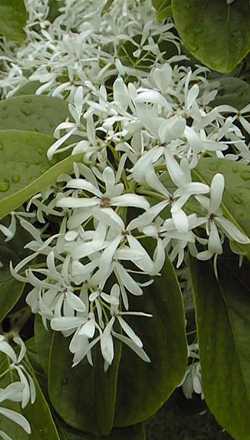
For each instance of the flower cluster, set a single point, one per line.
(140, 143)
(141, 121)
(85, 43)
(134, 185)
(22, 390)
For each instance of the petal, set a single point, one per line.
(54, 147)
(130, 332)
(120, 93)
(216, 192)
(180, 219)
(88, 329)
(83, 185)
(245, 124)
(17, 418)
(130, 200)
(232, 231)
(75, 302)
(107, 345)
(147, 217)
(214, 241)
(139, 351)
(125, 279)
(66, 323)
(75, 202)
(192, 95)
(175, 171)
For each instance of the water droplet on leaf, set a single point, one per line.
(4, 185)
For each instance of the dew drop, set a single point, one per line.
(16, 178)
(4, 185)
(40, 151)
(237, 199)
(26, 112)
(245, 175)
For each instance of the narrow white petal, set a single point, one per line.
(107, 345)
(192, 95)
(65, 323)
(128, 282)
(75, 202)
(139, 351)
(54, 147)
(17, 418)
(232, 231)
(5, 436)
(216, 192)
(83, 185)
(75, 302)
(88, 329)
(214, 241)
(130, 332)
(130, 200)
(180, 219)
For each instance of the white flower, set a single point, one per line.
(23, 391)
(216, 219)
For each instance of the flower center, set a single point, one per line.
(105, 202)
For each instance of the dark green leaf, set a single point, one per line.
(132, 433)
(54, 7)
(12, 19)
(232, 91)
(143, 387)
(223, 319)
(11, 289)
(42, 343)
(84, 396)
(217, 34)
(35, 113)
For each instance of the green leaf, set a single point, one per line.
(232, 91)
(23, 159)
(29, 88)
(54, 6)
(223, 319)
(13, 19)
(132, 433)
(42, 343)
(35, 113)
(163, 9)
(236, 198)
(38, 414)
(11, 289)
(143, 387)
(25, 169)
(164, 340)
(91, 407)
(217, 34)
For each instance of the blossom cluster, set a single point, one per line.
(22, 390)
(102, 233)
(84, 43)
(134, 185)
